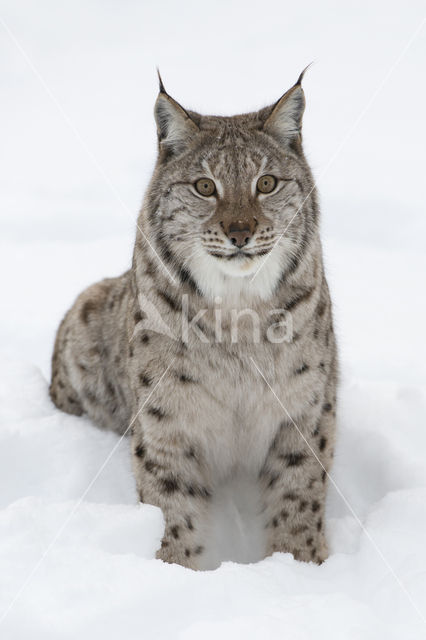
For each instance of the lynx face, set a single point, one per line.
(225, 191)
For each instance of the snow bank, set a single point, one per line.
(100, 577)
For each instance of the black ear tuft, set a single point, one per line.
(300, 78)
(160, 82)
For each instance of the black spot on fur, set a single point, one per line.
(138, 316)
(189, 524)
(322, 443)
(275, 522)
(309, 542)
(170, 301)
(319, 524)
(190, 453)
(302, 505)
(315, 506)
(175, 532)
(131, 352)
(140, 451)
(302, 296)
(198, 550)
(186, 278)
(150, 268)
(169, 485)
(149, 465)
(198, 491)
(321, 308)
(327, 407)
(90, 306)
(156, 412)
(301, 369)
(187, 553)
(284, 514)
(145, 380)
(311, 483)
(295, 459)
(290, 495)
(324, 475)
(144, 338)
(182, 377)
(166, 254)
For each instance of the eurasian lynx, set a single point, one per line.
(216, 349)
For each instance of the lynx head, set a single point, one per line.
(231, 202)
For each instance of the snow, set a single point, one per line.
(76, 550)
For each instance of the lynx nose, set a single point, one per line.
(239, 233)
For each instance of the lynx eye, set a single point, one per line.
(205, 187)
(266, 184)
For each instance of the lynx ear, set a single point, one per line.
(285, 120)
(175, 127)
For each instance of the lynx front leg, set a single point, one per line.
(170, 475)
(294, 485)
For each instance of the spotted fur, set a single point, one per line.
(200, 409)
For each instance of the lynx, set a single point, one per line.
(181, 350)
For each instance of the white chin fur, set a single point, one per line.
(239, 267)
(238, 279)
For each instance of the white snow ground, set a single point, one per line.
(72, 173)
